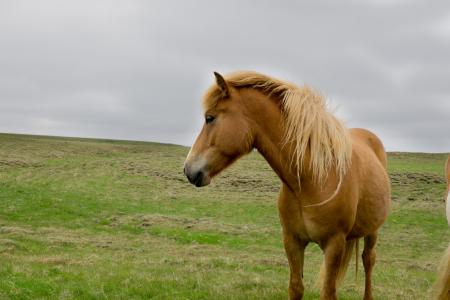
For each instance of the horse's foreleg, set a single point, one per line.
(295, 249)
(334, 250)
(368, 257)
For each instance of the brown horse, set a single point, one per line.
(442, 287)
(334, 185)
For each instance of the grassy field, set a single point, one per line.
(102, 219)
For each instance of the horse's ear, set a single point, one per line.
(222, 84)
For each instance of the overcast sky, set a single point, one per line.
(137, 69)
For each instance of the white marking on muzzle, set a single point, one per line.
(198, 164)
(189, 154)
(195, 162)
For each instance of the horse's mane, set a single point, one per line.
(308, 123)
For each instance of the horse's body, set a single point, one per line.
(335, 188)
(442, 288)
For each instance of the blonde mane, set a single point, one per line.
(308, 123)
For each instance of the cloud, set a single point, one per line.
(137, 69)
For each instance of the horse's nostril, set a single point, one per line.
(198, 179)
(184, 170)
(195, 178)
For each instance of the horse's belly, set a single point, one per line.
(372, 211)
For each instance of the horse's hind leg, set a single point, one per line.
(368, 257)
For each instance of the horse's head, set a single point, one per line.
(226, 134)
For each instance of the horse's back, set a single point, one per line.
(372, 141)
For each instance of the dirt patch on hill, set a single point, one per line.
(410, 178)
(19, 163)
(197, 224)
(247, 184)
(146, 170)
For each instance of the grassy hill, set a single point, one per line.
(102, 219)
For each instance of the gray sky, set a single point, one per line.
(137, 69)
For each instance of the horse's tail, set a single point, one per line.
(356, 261)
(346, 258)
(442, 286)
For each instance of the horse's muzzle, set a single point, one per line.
(196, 177)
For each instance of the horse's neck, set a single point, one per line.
(269, 134)
(278, 157)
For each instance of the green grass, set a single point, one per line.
(103, 219)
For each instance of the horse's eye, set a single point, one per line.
(209, 119)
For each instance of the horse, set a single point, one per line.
(442, 286)
(334, 184)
